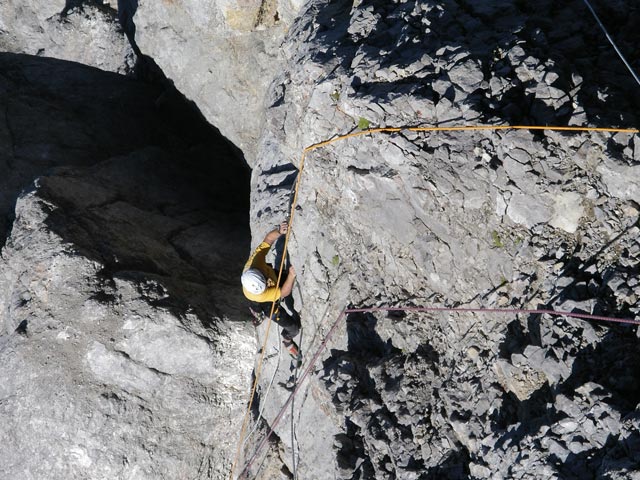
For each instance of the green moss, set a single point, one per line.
(363, 123)
(335, 260)
(497, 241)
(335, 95)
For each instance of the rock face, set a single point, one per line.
(121, 352)
(125, 347)
(88, 33)
(223, 55)
(516, 218)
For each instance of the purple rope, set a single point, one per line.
(347, 311)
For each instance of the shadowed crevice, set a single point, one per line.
(139, 181)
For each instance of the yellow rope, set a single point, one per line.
(467, 128)
(273, 308)
(295, 200)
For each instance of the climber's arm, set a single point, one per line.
(273, 235)
(287, 286)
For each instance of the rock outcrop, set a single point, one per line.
(122, 354)
(124, 223)
(222, 55)
(83, 32)
(518, 219)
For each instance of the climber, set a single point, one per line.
(259, 285)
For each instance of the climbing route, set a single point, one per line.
(294, 203)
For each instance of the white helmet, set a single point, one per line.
(253, 280)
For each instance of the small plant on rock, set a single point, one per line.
(363, 123)
(497, 241)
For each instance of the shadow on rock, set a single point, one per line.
(586, 404)
(529, 415)
(386, 396)
(608, 364)
(348, 378)
(137, 180)
(614, 456)
(518, 62)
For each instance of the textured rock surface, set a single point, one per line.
(223, 55)
(88, 33)
(121, 352)
(124, 230)
(517, 218)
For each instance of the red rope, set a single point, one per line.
(315, 357)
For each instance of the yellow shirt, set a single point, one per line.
(258, 261)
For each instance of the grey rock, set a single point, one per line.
(567, 211)
(614, 280)
(529, 211)
(578, 445)
(124, 363)
(557, 449)
(520, 380)
(468, 74)
(89, 34)
(620, 180)
(230, 54)
(127, 236)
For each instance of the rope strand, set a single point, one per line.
(291, 217)
(266, 336)
(345, 312)
(613, 44)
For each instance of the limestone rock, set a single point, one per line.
(127, 224)
(222, 55)
(567, 211)
(121, 337)
(620, 180)
(89, 34)
(521, 382)
(495, 219)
